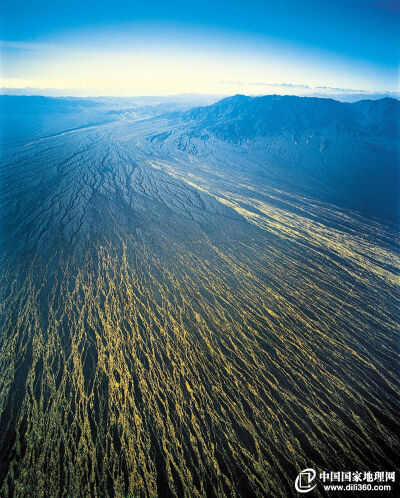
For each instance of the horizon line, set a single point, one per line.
(312, 92)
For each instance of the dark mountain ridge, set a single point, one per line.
(345, 153)
(241, 117)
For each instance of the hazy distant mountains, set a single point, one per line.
(36, 116)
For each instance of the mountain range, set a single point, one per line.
(344, 153)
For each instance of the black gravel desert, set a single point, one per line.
(197, 302)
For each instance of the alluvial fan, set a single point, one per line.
(169, 330)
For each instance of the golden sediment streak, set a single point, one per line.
(352, 247)
(217, 363)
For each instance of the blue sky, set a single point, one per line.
(253, 46)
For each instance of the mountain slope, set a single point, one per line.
(240, 117)
(348, 154)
